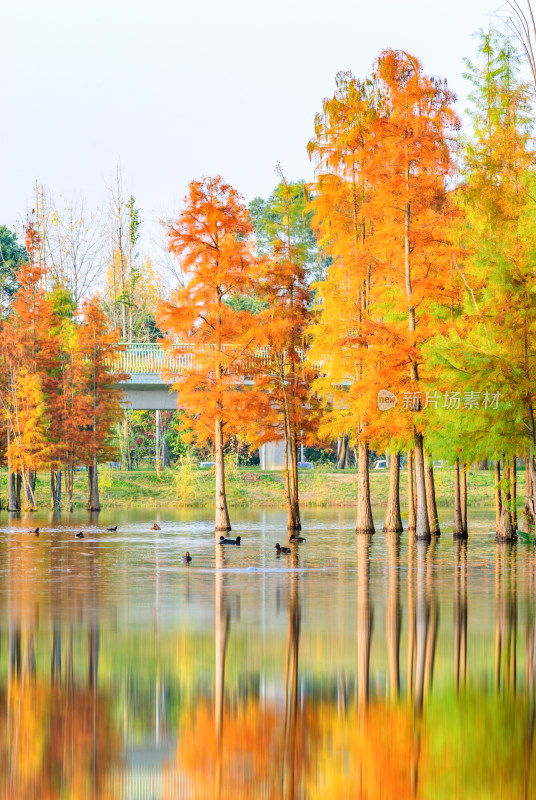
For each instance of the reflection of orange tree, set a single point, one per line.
(364, 755)
(54, 743)
(253, 750)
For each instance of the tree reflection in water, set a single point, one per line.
(268, 700)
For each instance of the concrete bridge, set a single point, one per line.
(146, 390)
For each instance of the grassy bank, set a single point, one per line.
(188, 486)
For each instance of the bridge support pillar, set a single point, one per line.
(272, 456)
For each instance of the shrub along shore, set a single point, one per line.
(191, 487)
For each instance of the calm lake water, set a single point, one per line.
(356, 667)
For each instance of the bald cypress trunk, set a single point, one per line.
(422, 526)
(463, 497)
(528, 511)
(18, 491)
(513, 489)
(342, 456)
(431, 498)
(457, 531)
(393, 519)
(69, 481)
(221, 523)
(364, 523)
(55, 489)
(93, 500)
(11, 482)
(498, 495)
(411, 494)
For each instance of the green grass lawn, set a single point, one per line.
(188, 486)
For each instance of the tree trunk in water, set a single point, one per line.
(532, 467)
(55, 489)
(463, 497)
(507, 501)
(498, 497)
(294, 478)
(513, 485)
(457, 530)
(18, 491)
(11, 492)
(506, 530)
(222, 522)
(431, 504)
(288, 489)
(69, 481)
(11, 483)
(411, 493)
(364, 523)
(393, 520)
(343, 452)
(528, 511)
(422, 526)
(93, 503)
(28, 481)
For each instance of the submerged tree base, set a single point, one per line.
(424, 537)
(365, 531)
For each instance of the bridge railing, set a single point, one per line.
(135, 358)
(151, 359)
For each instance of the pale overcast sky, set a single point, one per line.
(174, 90)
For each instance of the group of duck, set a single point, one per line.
(79, 535)
(225, 540)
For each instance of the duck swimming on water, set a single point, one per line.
(187, 558)
(224, 540)
(79, 535)
(35, 531)
(294, 538)
(112, 530)
(280, 549)
(156, 527)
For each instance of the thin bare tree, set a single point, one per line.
(519, 20)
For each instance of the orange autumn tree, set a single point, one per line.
(212, 239)
(93, 416)
(283, 376)
(27, 359)
(341, 198)
(383, 211)
(411, 164)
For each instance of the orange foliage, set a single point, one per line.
(57, 742)
(252, 752)
(212, 237)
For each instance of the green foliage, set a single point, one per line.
(12, 255)
(272, 224)
(185, 481)
(63, 303)
(490, 344)
(134, 220)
